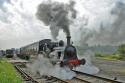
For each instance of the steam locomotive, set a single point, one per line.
(57, 52)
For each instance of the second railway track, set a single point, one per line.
(88, 78)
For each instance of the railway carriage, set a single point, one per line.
(9, 53)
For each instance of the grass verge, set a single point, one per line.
(8, 73)
(109, 57)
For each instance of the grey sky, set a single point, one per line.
(19, 25)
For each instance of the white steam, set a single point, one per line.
(44, 67)
(88, 67)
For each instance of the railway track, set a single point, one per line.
(88, 78)
(80, 78)
(29, 79)
(25, 76)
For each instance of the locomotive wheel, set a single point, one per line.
(82, 61)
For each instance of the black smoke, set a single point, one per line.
(57, 16)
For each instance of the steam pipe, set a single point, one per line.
(68, 40)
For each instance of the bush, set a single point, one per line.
(109, 57)
(118, 55)
(98, 55)
(121, 50)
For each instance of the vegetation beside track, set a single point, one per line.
(8, 73)
(109, 56)
(118, 55)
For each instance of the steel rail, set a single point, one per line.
(98, 77)
(29, 78)
(25, 75)
(60, 79)
(82, 80)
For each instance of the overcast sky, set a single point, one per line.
(19, 25)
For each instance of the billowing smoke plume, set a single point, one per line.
(57, 16)
(111, 31)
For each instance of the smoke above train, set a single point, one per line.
(57, 16)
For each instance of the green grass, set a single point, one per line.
(8, 73)
(112, 57)
(109, 57)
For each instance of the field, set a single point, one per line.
(8, 74)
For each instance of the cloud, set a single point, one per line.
(19, 25)
(108, 27)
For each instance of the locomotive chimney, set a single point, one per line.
(68, 40)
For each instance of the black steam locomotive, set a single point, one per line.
(70, 56)
(65, 55)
